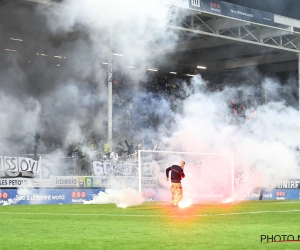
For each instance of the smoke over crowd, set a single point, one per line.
(68, 103)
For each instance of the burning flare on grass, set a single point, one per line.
(228, 200)
(185, 203)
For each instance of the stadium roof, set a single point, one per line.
(218, 42)
(224, 43)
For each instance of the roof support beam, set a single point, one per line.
(230, 38)
(205, 42)
(225, 23)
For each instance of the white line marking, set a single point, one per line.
(154, 215)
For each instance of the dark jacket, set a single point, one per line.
(177, 173)
(130, 148)
(120, 150)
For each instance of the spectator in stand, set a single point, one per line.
(92, 146)
(106, 147)
(130, 148)
(74, 151)
(83, 150)
(114, 156)
(157, 146)
(139, 146)
(234, 106)
(120, 149)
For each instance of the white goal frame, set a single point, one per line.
(188, 153)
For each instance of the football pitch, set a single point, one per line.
(153, 225)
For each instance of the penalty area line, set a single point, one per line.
(154, 215)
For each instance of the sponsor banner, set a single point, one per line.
(96, 182)
(240, 12)
(267, 18)
(92, 182)
(212, 6)
(247, 14)
(88, 182)
(108, 181)
(18, 164)
(289, 184)
(24, 182)
(47, 196)
(65, 181)
(275, 194)
(79, 195)
(103, 181)
(17, 182)
(266, 195)
(195, 4)
(81, 181)
(78, 181)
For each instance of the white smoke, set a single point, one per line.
(264, 145)
(121, 197)
(132, 28)
(67, 99)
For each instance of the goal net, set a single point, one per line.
(208, 176)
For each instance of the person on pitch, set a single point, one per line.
(176, 175)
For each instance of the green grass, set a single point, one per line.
(150, 226)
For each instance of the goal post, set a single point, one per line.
(209, 176)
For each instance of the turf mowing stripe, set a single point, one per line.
(154, 215)
(286, 202)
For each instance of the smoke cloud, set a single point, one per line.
(68, 102)
(122, 198)
(263, 141)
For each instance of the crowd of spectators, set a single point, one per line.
(139, 109)
(144, 106)
(136, 112)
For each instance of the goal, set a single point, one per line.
(209, 176)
